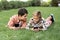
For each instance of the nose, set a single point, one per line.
(26, 17)
(34, 19)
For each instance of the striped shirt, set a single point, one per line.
(15, 20)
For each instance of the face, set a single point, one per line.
(24, 17)
(35, 18)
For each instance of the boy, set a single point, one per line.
(18, 21)
(37, 23)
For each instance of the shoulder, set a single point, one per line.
(43, 18)
(14, 17)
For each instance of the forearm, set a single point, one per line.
(14, 28)
(28, 25)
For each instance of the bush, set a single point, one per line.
(6, 5)
(13, 4)
(36, 3)
(44, 4)
(18, 4)
(54, 3)
(0, 6)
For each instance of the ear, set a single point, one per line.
(19, 16)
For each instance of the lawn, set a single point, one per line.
(53, 32)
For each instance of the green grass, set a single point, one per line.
(53, 32)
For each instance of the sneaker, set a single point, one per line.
(53, 19)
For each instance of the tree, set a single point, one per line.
(36, 2)
(1, 7)
(54, 3)
(5, 4)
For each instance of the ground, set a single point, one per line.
(53, 32)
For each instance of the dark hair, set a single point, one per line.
(22, 11)
(38, 13)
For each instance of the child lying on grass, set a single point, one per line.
(37, 23)
(18, 21)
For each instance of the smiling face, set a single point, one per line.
(36, 16)
(24, 17)
(22, 14)
(36, 19)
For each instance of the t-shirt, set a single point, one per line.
(14, 21)
(39, 24)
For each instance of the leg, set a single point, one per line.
(49, 20)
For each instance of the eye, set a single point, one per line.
(24, 16)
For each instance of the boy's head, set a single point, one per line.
(22, 14)
(36, 16)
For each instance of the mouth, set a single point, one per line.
(36, 21)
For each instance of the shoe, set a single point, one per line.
(53, 19)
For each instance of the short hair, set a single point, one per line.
(22, 11)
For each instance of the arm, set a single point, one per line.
(11, 23)
(29, 24)
(24, 25)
